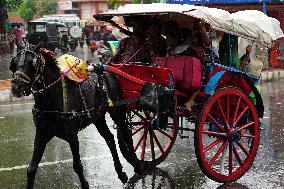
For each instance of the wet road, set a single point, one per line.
(4, 68)
(179, 170)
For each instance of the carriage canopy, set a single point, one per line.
(252, 25)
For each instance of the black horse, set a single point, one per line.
(64, 107)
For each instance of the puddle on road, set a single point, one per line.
(180, 170)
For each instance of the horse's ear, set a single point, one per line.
(46, 51)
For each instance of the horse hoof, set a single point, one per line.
(139, 169)
(123, 177)
(85, 185)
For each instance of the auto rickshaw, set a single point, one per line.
(47, 33)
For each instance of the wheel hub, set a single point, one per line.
(234, 135)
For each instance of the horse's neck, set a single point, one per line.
(51, 97)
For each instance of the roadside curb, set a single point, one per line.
(6, 95)
(272, 75)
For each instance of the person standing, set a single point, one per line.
(19, 37)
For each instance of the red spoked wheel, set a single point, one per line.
(227, 136)
(152, 142)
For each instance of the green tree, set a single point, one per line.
(3, 15)
(47, 7)
(27, 10)
(149, 1)
(13, 4)
(114, 4)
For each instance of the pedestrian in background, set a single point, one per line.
(19, 37)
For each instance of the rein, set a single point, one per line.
(53, 83)
(67, 115)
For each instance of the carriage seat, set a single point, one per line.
(186, 69)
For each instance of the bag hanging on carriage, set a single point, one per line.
(157, 98)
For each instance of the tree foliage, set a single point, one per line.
(114, 4)
(27, 10)
(47, 7)
(148, 1)
(13, 4)
(3, 15)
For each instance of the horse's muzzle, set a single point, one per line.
(20, 88)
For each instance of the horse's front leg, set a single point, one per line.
(77, 164)
(39, 146)
(109, 138)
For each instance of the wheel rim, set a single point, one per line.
(151, 144)
(228, 135)
(156, 178)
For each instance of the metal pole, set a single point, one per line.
(264, 7)
(230, 51)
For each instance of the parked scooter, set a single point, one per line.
(104, 54)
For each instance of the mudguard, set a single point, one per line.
(222, 76)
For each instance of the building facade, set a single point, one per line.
(85, 9)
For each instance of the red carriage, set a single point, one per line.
(227, 122)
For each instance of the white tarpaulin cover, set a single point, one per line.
(235, 24)
(268, 24)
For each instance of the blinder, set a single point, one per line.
(23, 58)
(19, 75)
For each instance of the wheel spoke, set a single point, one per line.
(137, 130)
(214, 133)
(228, 109)
(245, 126)
(147, 114)
(237, 156)
(243, 148)
(237, 108)
(139, 142)
(215, 122)
(210, 146)
(137, 123)
(247, 136)
(241, 114)
(139, 115)
(152, 144)
(158, 143)
(166, 134)
(218, 153)
(230, 158)
(222, 112)
(142, 155)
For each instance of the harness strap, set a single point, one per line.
(22, 74)
(64, 96)
(126, 101)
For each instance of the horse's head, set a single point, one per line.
(25, 67)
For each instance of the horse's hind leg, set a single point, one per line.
(109, 138)
(77, 164)
(125, 141)
(39, 147)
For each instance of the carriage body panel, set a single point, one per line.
(130, 89)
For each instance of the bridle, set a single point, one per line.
(39, 64)
(19, 75)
